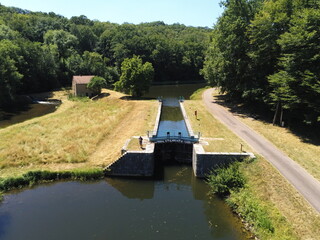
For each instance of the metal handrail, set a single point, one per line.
(152, 135)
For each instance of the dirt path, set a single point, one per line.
(307, 185)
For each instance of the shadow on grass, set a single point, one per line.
(130, 98)
(307, 133)
(100, 96)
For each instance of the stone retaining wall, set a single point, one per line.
(203, 162)
(134, 164)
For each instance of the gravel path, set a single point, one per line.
(307, 185)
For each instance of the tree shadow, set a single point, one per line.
(100, 96)
(307, 133)
(131, 98)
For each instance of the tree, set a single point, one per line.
(96, 84)
(65, 41)
(9, 74)
(297, 84)
(227, 63)
(264, 31)
(135, 76)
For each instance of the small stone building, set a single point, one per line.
(79, 86)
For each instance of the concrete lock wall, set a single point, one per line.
(133, 164)
(203, 162)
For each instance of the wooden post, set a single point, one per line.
(241, 147)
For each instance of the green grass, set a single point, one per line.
(71, 97)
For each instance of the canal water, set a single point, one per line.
(171, 121)
(177, 206)
(24, 113)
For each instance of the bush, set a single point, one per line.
(34, 177)
(225, 179)
(12, 183)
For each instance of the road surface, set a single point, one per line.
(306, 184)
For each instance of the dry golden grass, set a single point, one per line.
(134, 145)
(77, 135)
(299, 220)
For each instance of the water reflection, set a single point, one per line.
(24, 113)
(176, 207)
(185, 90)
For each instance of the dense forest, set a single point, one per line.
(42, 51)
(268, 53)
(265, 52)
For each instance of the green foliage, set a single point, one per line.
(229, 181)
(96, 84)
(267, 52)
(226, 179)
(226, 64)
(64, 40)
(252, 210)
(135, 77)
(87, 175)
(297, 84)
(35, 177)
(49, 49)
(9, 74)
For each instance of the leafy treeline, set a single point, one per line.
(268, 51)
(40, 51)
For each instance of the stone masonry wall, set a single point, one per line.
(133, 164)
(203, 162)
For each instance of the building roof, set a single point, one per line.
(82, 79)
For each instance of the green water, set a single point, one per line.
(27, 112)
(176, 206)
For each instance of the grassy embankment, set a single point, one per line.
(79, 138)
(267, 198)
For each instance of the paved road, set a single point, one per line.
(307, 185)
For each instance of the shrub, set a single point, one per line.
(11, 183)
(225, 179)
(34, 177)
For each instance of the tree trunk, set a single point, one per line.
(275, 114)
(281, 116)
